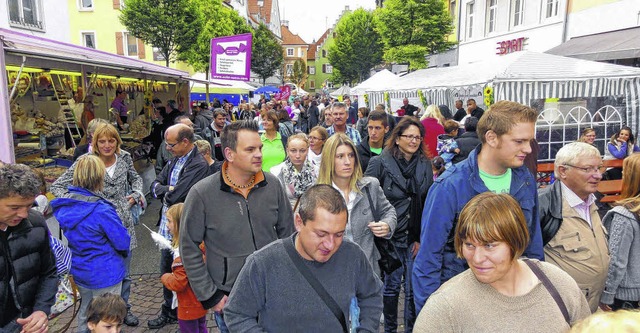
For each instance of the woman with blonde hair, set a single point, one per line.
(432, 121)
(340, 167)
(317, 137)
(296, 173)
(622, 288)
(588, 135)
(122, 187)
(99, 243)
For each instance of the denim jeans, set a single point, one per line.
(11, 327)
(166, 259)
(222, 326)
(392, 283)
(87, 295)
(126, 283)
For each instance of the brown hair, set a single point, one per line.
(502, 116)
(108, 307)
(489, 217)
(402, 126)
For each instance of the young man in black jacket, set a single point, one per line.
(28, 275)
(373, 143)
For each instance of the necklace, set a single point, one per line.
(226, 174)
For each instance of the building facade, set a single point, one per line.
(295, 50)
(44, 18)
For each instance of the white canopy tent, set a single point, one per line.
(344, 90)
(521, 77)
(383, 79)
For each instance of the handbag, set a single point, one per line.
(315, 284)
(389, 258)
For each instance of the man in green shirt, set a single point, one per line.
(372, 145)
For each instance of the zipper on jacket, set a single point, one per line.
(253, 236)
(226, 269)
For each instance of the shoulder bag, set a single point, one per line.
(315, 284)
(389, 258)
(550, 288)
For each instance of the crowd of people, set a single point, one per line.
(314, 214)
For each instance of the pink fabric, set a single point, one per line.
(432, 129)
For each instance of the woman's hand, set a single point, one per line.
(379, 229)
(414, 249)
(132, 201)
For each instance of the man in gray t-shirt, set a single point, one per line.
(271, 294)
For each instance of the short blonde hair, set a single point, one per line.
(298, 136)
(609, 321)
(203, 146)
(489, 217)
(328, 161)
(89, 172)
(106, 130)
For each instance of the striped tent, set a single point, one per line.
(521, 77)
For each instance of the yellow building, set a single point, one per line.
(96, 24)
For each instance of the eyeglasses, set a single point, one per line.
(171, 145)
(313, 138)
(589, 170)
(411, 137)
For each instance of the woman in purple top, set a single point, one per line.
(120, 107)
(621, 145)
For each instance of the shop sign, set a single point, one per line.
(231, 57)
(511, 45)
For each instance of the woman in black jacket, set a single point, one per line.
(405, 174)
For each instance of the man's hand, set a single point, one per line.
(414, 249)
(218, 307)
(37, 322)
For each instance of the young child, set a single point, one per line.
(106, 314)
(191, 315)
(447, 145)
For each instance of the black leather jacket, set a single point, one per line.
(386, 169)
(26, 256)
(550, 210)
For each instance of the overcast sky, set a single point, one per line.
(311, 18)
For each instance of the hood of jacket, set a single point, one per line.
(207, 114)
(80, 203)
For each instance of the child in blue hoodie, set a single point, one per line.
(98, 241)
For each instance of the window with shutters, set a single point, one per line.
(89, 39)
(26, 14)
(290, 52)
(312, 84)
(85, 5)
(311, 70)
(130, 45)
(329, 69)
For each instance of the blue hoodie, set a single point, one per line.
(98, 241)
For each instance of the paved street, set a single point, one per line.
(146, 288)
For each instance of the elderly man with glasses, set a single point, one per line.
(171, 186)
(572, 233)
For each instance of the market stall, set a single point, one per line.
(45, 81)
(570, 94)
(232, 91)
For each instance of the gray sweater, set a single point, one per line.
(271, 295)
(623, 278)
(232, 228)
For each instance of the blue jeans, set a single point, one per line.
(392, 283)
(126, 283)
(222, 326)
(166, 259)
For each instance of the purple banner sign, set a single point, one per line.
(231, 57)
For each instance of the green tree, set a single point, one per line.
(267, 55)
(218, 20)
(357, 47)
(412, 29)
(170, 25)
(299, 75)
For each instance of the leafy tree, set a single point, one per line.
(267, 55)
(218, 20)
(411, 29)
(170, 25)
(299, 75)
(357, 47)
